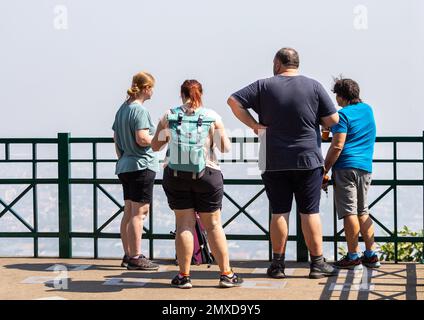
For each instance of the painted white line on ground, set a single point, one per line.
(350, 272)
(364, 275)
(355, 272)
(43, 280)
(351, 287)
(264, 284)
(52, 298)
(126, 282)
(360, 280)
(358, 270)
(288, 271)
(70, 267)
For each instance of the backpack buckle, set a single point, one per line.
(199, 126)
(179, 122)
(200, 121)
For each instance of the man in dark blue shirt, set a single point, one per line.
(290, 108)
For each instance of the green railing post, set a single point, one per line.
(63, 149)
(395, 211)
(301, 248)
(95, 203)
(35, 198)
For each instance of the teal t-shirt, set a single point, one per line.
(129, 119)
(357, 121)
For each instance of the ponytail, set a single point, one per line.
(193, 90)
(133, 91)
(140, 81)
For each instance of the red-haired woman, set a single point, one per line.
(195, 185)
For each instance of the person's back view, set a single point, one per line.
(130, 118)
(193, 181)
(136, 167)
(290, 108)
(350, 159)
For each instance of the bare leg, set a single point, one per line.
(312, 231)
(184, 239)
(351, 226)
(367, 231)
(139, 212)
(216, 238)
(279, 230)
(124, 227)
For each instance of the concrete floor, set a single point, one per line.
(29, 278)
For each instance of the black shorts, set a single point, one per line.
(138, 185)
(304, 184)
(203, 195)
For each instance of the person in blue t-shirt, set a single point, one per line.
(350, 157)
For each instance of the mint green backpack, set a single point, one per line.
(188, 135)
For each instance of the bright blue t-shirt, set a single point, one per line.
(357, 121)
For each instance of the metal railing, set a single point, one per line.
(64, 181)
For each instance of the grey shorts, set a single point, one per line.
(350, 191)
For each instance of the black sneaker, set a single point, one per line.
(230, 282)
(182, 283)
(276, 270)
(371, 262)
(142, 263)
(322, 269)
(125, 261)
(346, 263)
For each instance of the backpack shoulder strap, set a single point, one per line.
(176, 114)
(176, 110)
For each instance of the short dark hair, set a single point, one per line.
(288, 57)
(347, 89)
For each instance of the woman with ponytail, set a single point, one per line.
(195, 186)
(136, 167)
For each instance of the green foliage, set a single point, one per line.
(407, 252)
(342, 251)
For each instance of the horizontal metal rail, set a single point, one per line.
(64, 181)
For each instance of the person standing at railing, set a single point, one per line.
(290, 108)
(193, 181)
(136, 167)
(350, 157)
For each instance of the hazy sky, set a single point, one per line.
(65, 65)
(74, 79)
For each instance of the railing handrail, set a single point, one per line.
(233, 139)
(64, 180)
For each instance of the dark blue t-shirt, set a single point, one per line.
(357, 121)
(291, 108)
